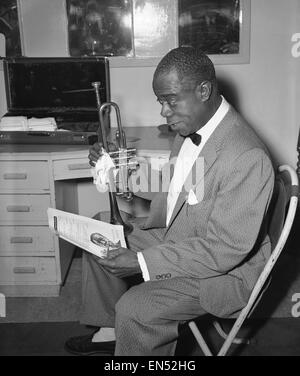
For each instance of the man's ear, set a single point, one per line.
(204, 90)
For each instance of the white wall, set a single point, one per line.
(266, 90)
(295, 77)
(3, 106)
(2, 88)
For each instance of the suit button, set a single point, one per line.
(163, 276)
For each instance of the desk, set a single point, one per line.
(34, 262)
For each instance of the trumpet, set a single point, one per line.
(123, 158)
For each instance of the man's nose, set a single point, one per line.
(165, 110)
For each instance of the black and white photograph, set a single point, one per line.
(213, 26)
(149, 181)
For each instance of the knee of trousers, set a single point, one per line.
(135, 305)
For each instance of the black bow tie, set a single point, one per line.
(196, 138)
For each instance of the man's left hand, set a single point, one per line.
(121, 262)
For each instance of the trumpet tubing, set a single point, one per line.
(123, 159)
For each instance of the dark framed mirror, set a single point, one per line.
(100, 27)
(221, 28)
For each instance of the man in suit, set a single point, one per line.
(202, 248)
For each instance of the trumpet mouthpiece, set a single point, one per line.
(96, 84)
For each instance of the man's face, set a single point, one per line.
(181, 103)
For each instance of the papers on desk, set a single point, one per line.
(21, 123)
(94, 236)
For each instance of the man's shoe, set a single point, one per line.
(83, 345)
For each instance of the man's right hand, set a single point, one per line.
(96, 152)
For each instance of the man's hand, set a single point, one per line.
(121, 262)
(96, 152)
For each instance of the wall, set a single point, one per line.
(267, 87)
(265, 90)
(2, 89)
(3, 106)
(296, 75)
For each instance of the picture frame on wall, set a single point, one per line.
(221, 28)
(99, 27)
(130, 29)
(131, 32)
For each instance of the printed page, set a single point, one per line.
(94, 236)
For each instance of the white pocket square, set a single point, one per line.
(192, 199)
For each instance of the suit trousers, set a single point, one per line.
(145, 315)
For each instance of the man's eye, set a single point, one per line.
(172, 101)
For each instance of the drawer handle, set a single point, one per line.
(15, 176)
(79, 166)
(18, 208)
(24, 270)
(21, 239)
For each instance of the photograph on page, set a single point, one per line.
(94, 236)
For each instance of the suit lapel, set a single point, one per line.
(209, 156)
(209, 153)
(157, 215)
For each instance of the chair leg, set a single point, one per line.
(200, 339)
(237, 340)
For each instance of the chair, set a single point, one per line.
(280, 217)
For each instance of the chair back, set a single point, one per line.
(278, 223)
(283, 209)
(276, 218)
(277, 209)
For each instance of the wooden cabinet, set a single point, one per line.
(27, 270)
(33, 261)
(72, 168)
(18, 176)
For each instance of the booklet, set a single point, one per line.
(94, 236)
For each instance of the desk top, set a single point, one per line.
(142, 138)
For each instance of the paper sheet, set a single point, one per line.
(94, 236)
(21, 123)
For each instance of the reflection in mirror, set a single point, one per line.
(99, 27)
(213, 26)
(9, 27)
(154, 27)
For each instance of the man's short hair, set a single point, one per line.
(190, 63)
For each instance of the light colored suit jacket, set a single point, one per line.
(219, 239)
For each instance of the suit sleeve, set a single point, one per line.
(233, 227)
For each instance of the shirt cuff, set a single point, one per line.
(143, 266)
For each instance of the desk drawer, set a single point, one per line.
(24, 175)
(27, 269)
(24, 207)
(19, 240)
(71, 169)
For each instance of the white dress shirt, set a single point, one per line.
(186, 158)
